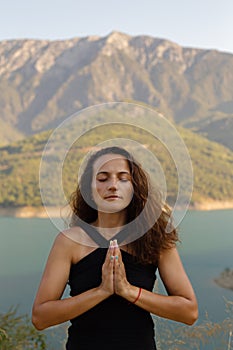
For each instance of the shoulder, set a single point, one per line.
(68, 238)
(168, 256)
(77, 235)
(62, 247)
(73, 244)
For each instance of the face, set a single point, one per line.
(112, 188)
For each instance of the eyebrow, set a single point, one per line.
(119, 172)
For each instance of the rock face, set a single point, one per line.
(42, 82)
(225, 280)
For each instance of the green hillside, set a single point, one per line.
(19, 165)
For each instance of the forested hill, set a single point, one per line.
(19, 165)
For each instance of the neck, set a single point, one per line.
(110, 223)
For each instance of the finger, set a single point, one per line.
(118, 256)
(110, 253)
(118, 265)
(110, 250)
(109, 256)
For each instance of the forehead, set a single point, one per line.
(109, 162)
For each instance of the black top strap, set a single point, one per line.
(96, 236)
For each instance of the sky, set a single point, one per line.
(204, 24)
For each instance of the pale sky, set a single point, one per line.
(192, 23)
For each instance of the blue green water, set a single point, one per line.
(206, 250)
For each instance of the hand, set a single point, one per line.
(107, 283)
(121, 284)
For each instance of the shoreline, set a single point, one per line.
(30, 212)
(40, 212)
(212, 205)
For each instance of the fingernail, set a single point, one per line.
(116, 257)
(111, 244)
(115, 244)
(111, 257)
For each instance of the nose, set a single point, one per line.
(112, 185)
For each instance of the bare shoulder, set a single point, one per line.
(67, 241)
(169, 254)
(75, 242)
(62, 241)
(78, 235)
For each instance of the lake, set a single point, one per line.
(206, 250)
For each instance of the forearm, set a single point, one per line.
(176, 308)
(54, 312)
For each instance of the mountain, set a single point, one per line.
(42, 82)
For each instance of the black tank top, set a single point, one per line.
(114, 323)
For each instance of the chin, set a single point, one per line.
(112, 209)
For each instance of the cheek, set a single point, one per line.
(130, 191)
(96, 188)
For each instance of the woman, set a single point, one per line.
(111, 286)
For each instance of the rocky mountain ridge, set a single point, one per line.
(42, 82)
(43, 54)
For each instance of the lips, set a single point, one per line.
(112, 197)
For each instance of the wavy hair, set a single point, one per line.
(147, 247)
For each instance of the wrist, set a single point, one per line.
(103, 293)
(131, 293)
(138, 296)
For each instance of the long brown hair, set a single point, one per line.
(147, 248)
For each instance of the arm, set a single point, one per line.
(48, 308)
(180, 304)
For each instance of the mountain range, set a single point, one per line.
(42, 82)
